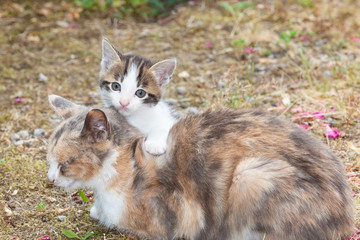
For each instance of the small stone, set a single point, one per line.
(72, 56)
(184, 74)
(19, 143)
(171, 101)
(61, 218)
(327, 73)
(39, 132)
(181, 90)
(15, 137)
(351, 57)
(319, 43)
(42, 78)
(23, 134)
(192, 110)
(330, 120)
(220, 85)
(306, 44)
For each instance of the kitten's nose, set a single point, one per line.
(124, 103)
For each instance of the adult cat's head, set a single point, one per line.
(131, 82)
(82, 147)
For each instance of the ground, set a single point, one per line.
(296, 59)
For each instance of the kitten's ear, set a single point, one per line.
(63, 107)
(96, 127)
(109, 55)
(164, 70)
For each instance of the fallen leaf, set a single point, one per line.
(44, 11)
(184, 74)
(353, 147)
(8, 211)
(32, 38)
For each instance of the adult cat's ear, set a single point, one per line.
(109, 55)
(63, 107)
(96, 127)
(164, 70)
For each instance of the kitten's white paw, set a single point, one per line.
(94, 213)
(155, 147)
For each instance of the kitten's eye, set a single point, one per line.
(116, 86)
(140, 93)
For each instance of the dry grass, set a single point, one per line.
(234, 59)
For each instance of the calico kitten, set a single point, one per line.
(225, 175)
(133, 85)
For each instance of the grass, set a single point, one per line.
(316, 69)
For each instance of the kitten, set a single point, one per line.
(225, 175)
(133, 85)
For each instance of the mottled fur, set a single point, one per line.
(226, 175)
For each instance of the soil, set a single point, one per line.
(286, 57)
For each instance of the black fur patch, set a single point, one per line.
(105, 85)
(151, 99)
(167, 216)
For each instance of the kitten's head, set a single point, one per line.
(80, 144)
(130, 82)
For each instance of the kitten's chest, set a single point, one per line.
(150, 119)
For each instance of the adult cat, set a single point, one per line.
(226, 175)
(133, 85)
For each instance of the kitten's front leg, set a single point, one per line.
(155, 143)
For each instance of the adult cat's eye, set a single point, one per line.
(116, 86)
(140, 93)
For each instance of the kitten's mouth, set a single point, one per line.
(123, 110)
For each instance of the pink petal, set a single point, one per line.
(18, 100)
(297, 109)
(304, 126)
(295, 39)
(249, 50)
(88, 195)
(331, 132)
(208, 45)
(14, 237)
(45, 237)
(319, 115)
(304, 39)
(355, 39)
(73, 25)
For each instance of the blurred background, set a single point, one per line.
(298, 59)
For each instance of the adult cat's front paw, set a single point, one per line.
(155, 147)
(94, 213)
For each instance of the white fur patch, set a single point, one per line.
(155, 123)
(110, 205)
(53, 172)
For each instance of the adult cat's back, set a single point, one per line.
(267, 168)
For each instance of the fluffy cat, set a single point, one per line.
(226, 175)
(133, 85)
